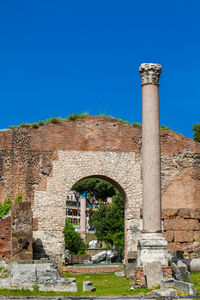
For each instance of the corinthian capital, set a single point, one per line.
(150, 73)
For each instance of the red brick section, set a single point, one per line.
(78, 259)
(5, 237)
(91, 269)
(182, 230)
(140, 279)
(22, 231)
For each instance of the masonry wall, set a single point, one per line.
(42, 164)
(5, 237)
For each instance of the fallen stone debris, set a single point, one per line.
(88, 286)
(43, 275)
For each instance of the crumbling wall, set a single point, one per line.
(22, 231)
(27, 157)
(5, 237)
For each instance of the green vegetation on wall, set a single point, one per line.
(72, 117)
(5, 208)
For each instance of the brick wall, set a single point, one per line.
(27, 157)
(5, 237)
(182, 230)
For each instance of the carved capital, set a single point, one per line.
(150, 73)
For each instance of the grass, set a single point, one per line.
(196, 280)
(106, 285)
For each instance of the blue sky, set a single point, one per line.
(61, 57)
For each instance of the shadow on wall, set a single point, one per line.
(38, 249)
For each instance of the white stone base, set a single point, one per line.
(152, 247)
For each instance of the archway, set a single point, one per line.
(122, 169)
(95, 211)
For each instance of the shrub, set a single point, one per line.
(24, 125)
(5, 208)
(40, 123)
(34, 125)
(196, 135)
(163, 127)
(76, 116)
(136, 124)
(73, 240)
(18, 198)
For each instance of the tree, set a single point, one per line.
(196, 135)
(73, 240)
(108, 221)
(94, 188)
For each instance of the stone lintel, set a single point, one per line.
(150, 73)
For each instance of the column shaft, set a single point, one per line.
(151, 159)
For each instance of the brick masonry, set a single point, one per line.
(91, 269)
(5, 237)
(16, 233)
(140, 278)
(43, 164)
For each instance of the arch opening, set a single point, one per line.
(95, 209)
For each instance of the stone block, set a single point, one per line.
(23, 275)
(184, 213)
(185, 287)
(153, 273)
(165, 292)
(88, 286)
(181, 224)
(195, 214)
(167, 283)
(195, 265)
(185, 275)
(169, 213)
(169, 235)
(184, 236)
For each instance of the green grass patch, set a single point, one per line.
(106, 285)
(196, 280)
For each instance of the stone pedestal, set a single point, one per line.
(152, 245)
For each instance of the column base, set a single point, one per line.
(152, 247)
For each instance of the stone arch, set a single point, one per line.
(120, 168)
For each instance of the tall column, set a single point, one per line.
(151, 173)
(83, 218)
(152, 245)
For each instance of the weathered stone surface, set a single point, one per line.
(152, 247)
(164, 293)
(181, 224)
(101, 256)
(88, 286)
(21, 242)
(185, 287)
(5, 237)
(93, 244)
(185, 275)
(195, 265)
(44, 275)
(43, 164)
(184, 236)
(167, 283)
(153, 273)
(176, 271)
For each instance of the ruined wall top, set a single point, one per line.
(150, 73)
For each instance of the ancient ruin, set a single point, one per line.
(44, 163)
